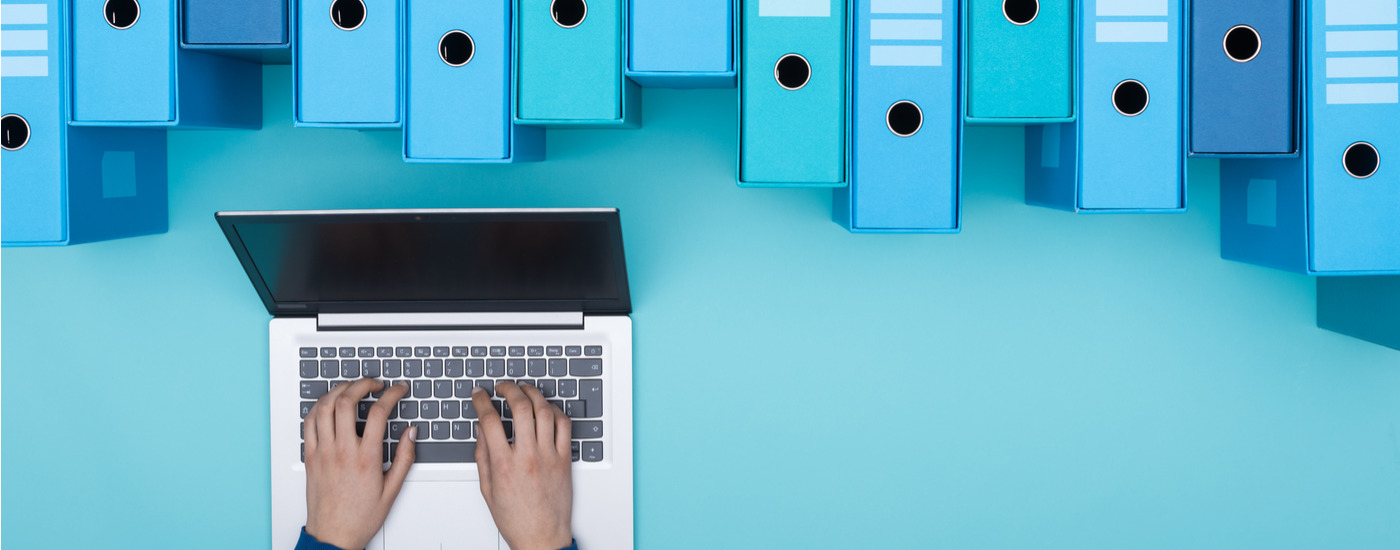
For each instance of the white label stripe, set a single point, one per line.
(1355, 94)
(1362, 12)
(1361, 41)
(24, 40)
(794, 8)
(1362, 67)
(906, 6)
(906, 29)
(1131, 8)
(906, 56)
(24, 65)
(1130, 32)
(24, 14)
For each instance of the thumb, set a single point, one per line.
(398, 470)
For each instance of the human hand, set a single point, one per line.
(348, 493)
(528, 484)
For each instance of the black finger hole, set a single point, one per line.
(1020, 12)
(1241, 43)
(14, 132)
(1361, 160)
(348, 15)
(121, 14)
(904, 118)
(456, 48)
(568, 13)
(1130, 98)
(792, 71)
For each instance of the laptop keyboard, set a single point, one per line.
(440, 381)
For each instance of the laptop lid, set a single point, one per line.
(415, 261)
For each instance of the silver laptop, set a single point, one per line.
(445, 300)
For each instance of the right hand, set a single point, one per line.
(528, 484)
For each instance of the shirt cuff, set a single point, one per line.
(573, 545)
(308, 542)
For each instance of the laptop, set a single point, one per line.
(445, 300)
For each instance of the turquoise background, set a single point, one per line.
(1042, 380)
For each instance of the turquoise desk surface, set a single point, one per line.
(1041, 381)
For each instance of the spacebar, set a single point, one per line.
(444, 452)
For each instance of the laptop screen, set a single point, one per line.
(432, 260)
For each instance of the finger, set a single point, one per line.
(309, 434)
(491, 431)
(563, 433)
(379, 413)
(522, 411)
(345, 407)
(544, 417)
(325, 416)
(398, 470)
(483, 467)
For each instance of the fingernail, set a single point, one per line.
(477, 389)
(412, 433)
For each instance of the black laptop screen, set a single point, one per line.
(440, 262)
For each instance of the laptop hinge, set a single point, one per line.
(450, 321)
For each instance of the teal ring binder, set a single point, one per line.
(1241, 47)
(903, 118)
(1361, 158)
(1021, 17)
(790, 69)
(348, 10)
(570, 15)
(455, 48)
(10, 125)
(1132, 100)
(117, 13)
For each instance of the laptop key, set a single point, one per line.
(422, 388)
(432, 368)
(442, 389)
(588, 429)
(468, 410)
(538, 367)
(365, 352)
(329, 368)
(593, 351)
(525, 382)
(313, 389)
(478, 351)
(446, 451)
(476, 368)
(362, 410)
(369, 368)
(408, 410)
(515, 367)
(455, 368)
(554, 351)
(461, 430)
(440, 351)
(546, 387)
(386, 453)
(442, 430)
(585, 367)
(592, 451)
(462, 388)
(428, 410)
(495, 367)
(423, 431)
(535, 351)
(403, 351)
(327, 352)
(396, 429)
(349, 368)
(393, 368)
(568, 388)
(310, 368)
(576, 408)
(413, 368)
(558, 367)
(573, 351)
(422, 351)
(335, 383)
(558, 404)
(347, 352)
(591, 392)
(384, 351)
(517, 351)
(306, 407)
(488, 385)
(451, 410)
(573, 448)
(461, 351)
(498, 351)
(504, 408)
(360, 429)
(308, 352)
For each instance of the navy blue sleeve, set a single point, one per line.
(308, 542)
(572, 546)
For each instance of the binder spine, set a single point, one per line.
(346, 72)
(251, 30)
(34, 106)
(681, 44)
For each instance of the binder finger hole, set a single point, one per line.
(348, 15)
(1130, 98)
(1020, 12)
(1242, 43)
(904, 118)
(14, 132)
(1361, 160)
(121, 14)
(456, 48)
(792, 72)
(568, 13)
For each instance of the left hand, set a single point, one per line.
(348, 493)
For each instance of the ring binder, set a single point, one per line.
(1361, 160)
(346, 66)
(569, 65)
(568, 13)
(1242, 69)
(1241, 43)
(681, 44)
(121, 14)
(456, 48)
(792, 71)
(1018, 61)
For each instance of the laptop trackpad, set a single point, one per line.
(440, 515)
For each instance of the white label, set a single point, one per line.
(906, 6)
(1355, 94)
(24, 40)
(15, 65)
(794, 8)
(1361, 41)
(906, 29)
(1362, 12)
(1362, 67)
(24, 14)
(1111, 8)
